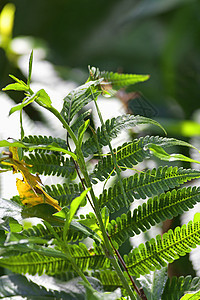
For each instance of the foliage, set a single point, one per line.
(57, 246)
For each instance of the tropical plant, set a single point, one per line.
(56, 248)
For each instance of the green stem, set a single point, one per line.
(109, 251)
(64, 247)
(65, 124)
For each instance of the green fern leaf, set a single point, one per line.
(50, 164)
(64, 193)
(112, 128)
(130, 154)
(116, 80)
(35, 263)
(44, 140)
(157, 253)
(158, 209)
(78, 98)
(176, 287)
(146, 184)
(109, 279)
(43, 232)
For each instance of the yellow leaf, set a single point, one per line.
(30, 189)
(38, 196)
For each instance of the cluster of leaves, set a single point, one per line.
(56, 246)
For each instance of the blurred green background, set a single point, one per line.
(156, 37)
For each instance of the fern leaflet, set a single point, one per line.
(109, 279)
(116, 80)
(130, 154)
(35, 263)
(158, 209)
(44, 140)
(112, 128)
(146, 184)
(78, 98)
(157, 253)
(43, 232)
(50, 164)
(64, 193)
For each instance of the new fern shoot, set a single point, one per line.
(57, 246)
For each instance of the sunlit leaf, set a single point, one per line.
(16, 87)
(30, 68)
(22, 105)
(159, 152)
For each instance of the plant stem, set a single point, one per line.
(64, 247)
(109, 251)
(125, 268)
(65, 124)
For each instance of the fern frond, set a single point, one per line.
(78, 98)
(116, 80)
(109, 279)
(50, 164)
(35, 263)
(132, 153)
(41, 231)
(112, 128)
(158, 209)
(176, 287)
(44, 140)
(157, 253)
(64, 193)
(146, 184)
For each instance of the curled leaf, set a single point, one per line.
(34, 197)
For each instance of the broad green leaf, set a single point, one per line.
(193, 296)
(14, 225)
(17, 80)
(154, 283)
(92, 224)
(81, 132)
(105, 216)
(196, 217)
(30, 68)
(43, 98)
(76, 203)
(43, 211)
(16, 87)
(73, 208)
(159, 152)
(62, 213)
(22, 105)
